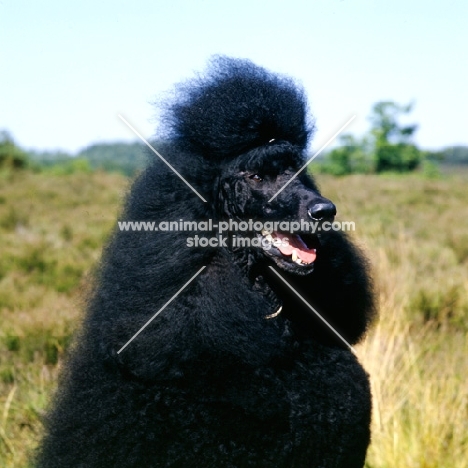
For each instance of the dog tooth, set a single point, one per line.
(269, 238)
(299, 261)
(265, 232)
(294, 256)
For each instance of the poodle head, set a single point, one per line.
(251, 128)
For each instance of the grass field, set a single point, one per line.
(415, 231)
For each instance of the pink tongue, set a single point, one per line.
(295, 243)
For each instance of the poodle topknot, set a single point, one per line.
(236, 106)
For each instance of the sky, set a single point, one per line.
(69, 68)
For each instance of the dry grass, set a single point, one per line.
(51, 232)
(415, 231)
(418, 373)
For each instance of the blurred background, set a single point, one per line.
(399, 170)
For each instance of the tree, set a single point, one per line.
(393, 148)
(352, 156)
(387, 147)
(11, 156)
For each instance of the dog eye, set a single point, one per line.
(256, 177)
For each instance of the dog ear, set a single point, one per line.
(221, 315)
(236, 106)
(343, 290)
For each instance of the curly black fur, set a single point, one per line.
(212, 382)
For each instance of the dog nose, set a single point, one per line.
(323, 210)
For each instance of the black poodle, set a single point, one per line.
(237, 370)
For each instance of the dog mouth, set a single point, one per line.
(293, 249)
